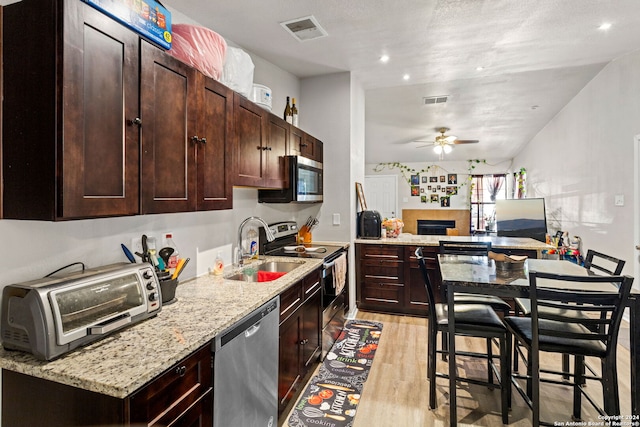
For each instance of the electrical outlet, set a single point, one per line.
(136, 245)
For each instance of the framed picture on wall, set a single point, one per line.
(452, 190)
(434, 198)
(442, 178)
(452, 178)
(429, 188)
(415, 179)
(425, 179)
(444, 202)
(423, 199)
(435, 190)
(433, 179)
(421, 190)
(415, 190)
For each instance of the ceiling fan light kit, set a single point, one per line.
(443, 144)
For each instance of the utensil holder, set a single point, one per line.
(304, 236)
(168, 290)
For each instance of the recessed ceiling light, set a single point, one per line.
(384, 58)
(479, 68)
(605, 26)
(406, 77)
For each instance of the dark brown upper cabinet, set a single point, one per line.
(70, 85)
(261, 142)
(82, 95)
(303, 144)
(185, 123)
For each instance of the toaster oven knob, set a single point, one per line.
(151, 286)
(147, 274)
(152, 296)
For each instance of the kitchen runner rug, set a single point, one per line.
(332, 396)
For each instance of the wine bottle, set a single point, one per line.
(287, 112)
(294, 112)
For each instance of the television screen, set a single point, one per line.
(521, 218)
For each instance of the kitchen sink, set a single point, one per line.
(264, 272)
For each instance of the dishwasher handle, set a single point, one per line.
(252, 330)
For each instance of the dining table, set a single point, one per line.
(479, 275)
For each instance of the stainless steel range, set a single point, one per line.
(334, 299)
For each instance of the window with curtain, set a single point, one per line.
(485, 190)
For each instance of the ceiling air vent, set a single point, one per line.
(430, 100)
(304, 29)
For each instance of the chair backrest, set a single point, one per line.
(604, 263)
(465, 248)
(600, 311)
(427, 284)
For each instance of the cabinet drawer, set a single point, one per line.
(382, 271)
(174, 392)
(377, 293)
(381, 252)
(290, 300)
(311, 284)
(528, 252)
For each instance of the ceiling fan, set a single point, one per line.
(443, 144)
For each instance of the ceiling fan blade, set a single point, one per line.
(465, 141)
(451, 138)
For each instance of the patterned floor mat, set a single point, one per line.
(332, 396)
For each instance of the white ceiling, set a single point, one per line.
(533, 53)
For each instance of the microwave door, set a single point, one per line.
(308, 180)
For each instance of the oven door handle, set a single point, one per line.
(327, 265)
(110, 325)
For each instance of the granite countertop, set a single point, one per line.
(497, 242)
(128, 359)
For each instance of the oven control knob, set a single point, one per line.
(147, 274)
(151, 286)
(152, 296)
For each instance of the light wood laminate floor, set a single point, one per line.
(397, 391)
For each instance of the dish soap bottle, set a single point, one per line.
(252, 242)
(174, 257)
(218, 265)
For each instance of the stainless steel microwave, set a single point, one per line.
(305, 183)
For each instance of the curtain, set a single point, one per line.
(494, 184)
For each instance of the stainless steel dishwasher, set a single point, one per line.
(245, 381)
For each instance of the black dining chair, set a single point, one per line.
(471, 320)
(595, 262)
(568, 316)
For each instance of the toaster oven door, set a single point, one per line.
(96, 308)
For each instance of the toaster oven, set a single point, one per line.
(52, 316)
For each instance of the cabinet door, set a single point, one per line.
(296, 140)
(276, 174)
(290, 360)
(308, 146)
(168, 97)
(214, 152)
(416, 301)
(311, 329)
(99, 92)
(249, 127)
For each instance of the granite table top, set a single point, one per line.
(128, 359)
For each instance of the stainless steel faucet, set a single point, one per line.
(239, 252)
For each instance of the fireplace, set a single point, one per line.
(435, 227)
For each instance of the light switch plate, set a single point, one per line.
(336, 219)
(619, 200)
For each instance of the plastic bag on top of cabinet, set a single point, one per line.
(238, 71)
(200, 47)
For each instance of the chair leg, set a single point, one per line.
(529, 374)
(578, 381)
(505, 376)
(431, 366)
(565, 367)
(489, 361)
(445, 345)
(610, 386)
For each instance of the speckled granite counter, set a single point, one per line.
(126, 360)
(496, 242)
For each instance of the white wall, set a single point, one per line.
(459, 201)
(585, 156)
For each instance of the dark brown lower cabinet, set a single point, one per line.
(300, 339)
(388, 277)
(181, 396)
